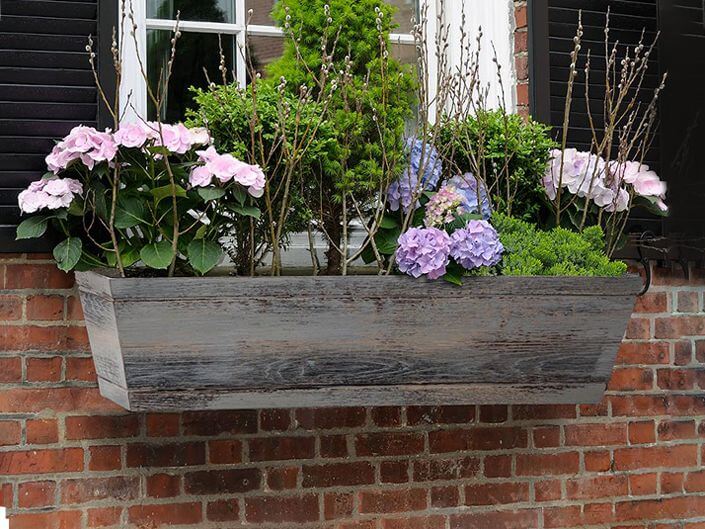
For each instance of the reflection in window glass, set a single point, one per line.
(261, 10)
(197, 60)
(199, 10)
(263, 50)
(406, 10)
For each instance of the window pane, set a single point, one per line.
(263, 50)
(197, 60)
(261, 10)
(406, 10)
(199, 10)
(404, 53)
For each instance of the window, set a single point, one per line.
(208, 24)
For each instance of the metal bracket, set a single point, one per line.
(645, 262)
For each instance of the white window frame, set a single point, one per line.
(495, 16)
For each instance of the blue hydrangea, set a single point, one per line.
(467, 185)
(476, 245)
(400, 193)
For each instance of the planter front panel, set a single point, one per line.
(242, 342)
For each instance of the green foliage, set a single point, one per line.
(510, 155)
(558, 252)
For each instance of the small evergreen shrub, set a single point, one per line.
(530, 251)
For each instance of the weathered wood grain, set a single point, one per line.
(243, 340)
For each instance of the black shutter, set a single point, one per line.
(46, 88)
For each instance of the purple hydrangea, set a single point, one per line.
(400, 193)
(476, 245)
(467, 185)
(424, 251)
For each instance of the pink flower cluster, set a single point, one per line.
(443, 207)
(85, 144)
(178, 138)
(608, 185)
(52, 193)
(224, 168)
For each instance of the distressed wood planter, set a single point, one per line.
(228, 343)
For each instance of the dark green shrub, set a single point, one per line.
(558, 252)
(507, 152)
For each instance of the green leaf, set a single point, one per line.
(129, 213)
(32, 227)
(461, 221)
(160, 193)
(67, 253)
(454, 274)
(204, 255)
(201, 232)
(246, 211)
(240, 194)
(389, 222)
(387, 241)
(158, 255)
(210, 193)
(128, 256)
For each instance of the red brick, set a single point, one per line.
(494, 414)
(41, 461)
(597, 487)
(525, 519)
(337, 505)
(498, 466)
(275, 420)
(420, 522)
(675, 430)
(496, 493)
(223, 510)
(597, 434)
(643, 353)
(683, 352)
(163, 424)
(554, 517)
(676, 508)
(10, 308)
(282, 509)
(643, 484)
(44, 369)
(445, 497)
(543, 413)
(600, 461)
(389, 501)
(21, 276)
(547, 490)
(642, 432)
(333, 446)
(639, 329)
(104, 516)
(539, 465)
(672, 482)
(10, 433)
(44, 339)
(547, 436)
(445, 469)
(6, 495)
(695, 481)
(229, 481)
(45, 308)
(386, 416)
(42, 431)
(225, 451)
(36, 400)
(165, 514)
(521, 45)
(163, 486)
(394, 471)
(688, 302)
(81, 369)
(597, 513)
(520, 17)
(84, 490)
(105, 458)
(338, 474)
(330, 418)
(48, 520)
(220, 422)
(631, 379)
(169, 455)
(74, 310)
(480, 438)
(10, 370)
(440, 414)
(676, 379)
(700, 351)
(389, 444)
(678, 326)
(101, 427)
(654, 457)
(282, 478)
(281, 448)
(36, 494)
(652, 302)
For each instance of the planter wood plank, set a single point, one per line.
(227, 343)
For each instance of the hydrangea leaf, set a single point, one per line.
(32, 227)
(204, 255)
(158, 255)
(210, 193)
(67, 253)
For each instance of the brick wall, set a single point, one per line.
(71, 460)
(521, 56)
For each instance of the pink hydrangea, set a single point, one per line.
(443, 207)
(133, 135)
(51, 194)
(176, 138)
(226, 168)
(85, 144)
